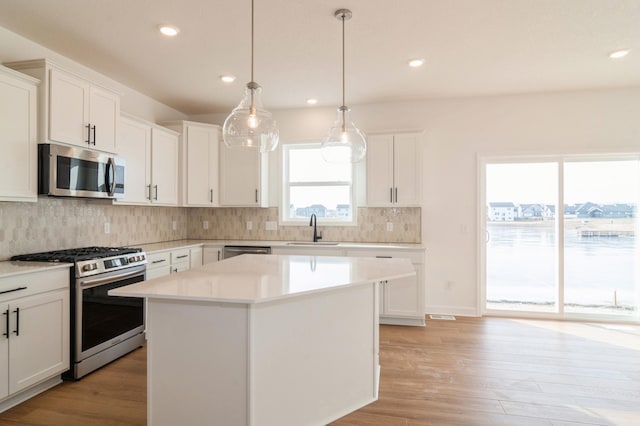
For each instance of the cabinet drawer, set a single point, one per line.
(158, 271)
(414, 256)
(178, 256)
(34, 283)
(156, 260)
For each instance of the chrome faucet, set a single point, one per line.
(314, 222)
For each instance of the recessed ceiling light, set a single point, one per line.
(415, 63)
(228, 78)
(169, 30)
(619, 54)
(312, 101)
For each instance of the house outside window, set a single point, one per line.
(312, 186)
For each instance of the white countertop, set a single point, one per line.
(9, 269)
(251, 279)
(170, 245)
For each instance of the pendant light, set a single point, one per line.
(250, 125)
(345, 143)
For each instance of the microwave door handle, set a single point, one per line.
(111, 163)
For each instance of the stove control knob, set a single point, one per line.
(89, 267)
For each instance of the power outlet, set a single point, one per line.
(107, 227)
(249, 225)
(389, 226)
(205, 224)
(174, 225)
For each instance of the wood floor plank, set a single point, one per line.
(471, 371)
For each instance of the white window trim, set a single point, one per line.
(285, 184)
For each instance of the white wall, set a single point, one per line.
(14, 47)
(456, 131)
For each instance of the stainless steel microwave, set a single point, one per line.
(65, 171)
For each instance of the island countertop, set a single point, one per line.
(252, 279)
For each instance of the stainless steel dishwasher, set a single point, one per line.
(230, 251)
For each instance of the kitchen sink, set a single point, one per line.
(311, 243)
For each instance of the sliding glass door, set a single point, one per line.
(521, 243)
(600, 244)
(561, 236)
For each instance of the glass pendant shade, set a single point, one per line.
(344, 143)
(250, 125)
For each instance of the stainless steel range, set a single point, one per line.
(103, 327)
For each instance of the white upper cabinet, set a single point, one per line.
(134, 144)
(164, 167)
(198, 162)
(151, 155)
(18, 136)
(393, 170)
(243, 177)
(72, 109)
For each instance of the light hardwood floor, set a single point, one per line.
(472, 371)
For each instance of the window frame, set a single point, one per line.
(285, 219)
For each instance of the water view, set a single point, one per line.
(600, 265)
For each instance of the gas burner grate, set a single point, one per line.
(75, 255)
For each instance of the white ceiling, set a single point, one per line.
(472, 47)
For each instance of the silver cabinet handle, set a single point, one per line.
(159, 261)
(182, 257)
(211, 195)
(256, 195)
(94, 134)
(156, 188)
(396, 194)
(149, 192)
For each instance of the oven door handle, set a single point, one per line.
(100, 281)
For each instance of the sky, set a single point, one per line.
(602, 182)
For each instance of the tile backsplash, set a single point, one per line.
(58, 223)
(231, 223)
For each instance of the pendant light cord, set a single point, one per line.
(343, 63)
(252, 40)
(252, 107)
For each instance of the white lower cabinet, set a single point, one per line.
(34, 345)
(168, 262)
(211, 254)
(195, 257)
(401, 300)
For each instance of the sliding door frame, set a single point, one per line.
(483, 160)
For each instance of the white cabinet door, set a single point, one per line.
(18, 137)
(134, 144)
(241, 178)
(211, 254)
(402, 297)
(4, 350)
(164, 167)
(393, 171)
(104, 111)
(380, 170)
(202, 165)
(195, 257)
(39, 343)
(68, 109)
(405, 170)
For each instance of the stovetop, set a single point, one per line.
(76, 255)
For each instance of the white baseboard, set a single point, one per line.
(453, 310)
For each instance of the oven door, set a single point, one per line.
(102, 321)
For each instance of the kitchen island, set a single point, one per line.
(264, 340)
